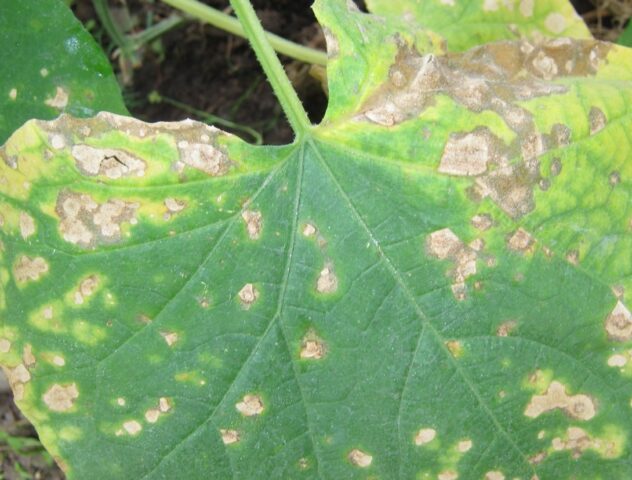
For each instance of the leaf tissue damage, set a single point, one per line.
(434, 283)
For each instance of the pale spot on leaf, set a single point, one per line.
(250, 405)
(537, 458)
(520, 241)
(443, 244)
(59, 361)
(173, 206)
(455, 348)
(44, 72)
(29, 269)
(580, 407)
(57, 142)
(204, 157)
(27, 225)
(494, 475)
(47, 313)
(253, 222)
(152, 415)
(60, 100)
(5, 345)
(619, 323)
(86, 288)
(229, 436)
(309, 230)
(61, 398)
(526, 8)
(111, 163)
(555, 23)
(327, 280)
(164, 405)
(13, 93)
(482, 222)
(490, 5)
(359, 458)
(470, 153)
(578, 440)
(448, 475)
(120, 401)
(425, 435)
(464, 445)
(27, 356)
(506, 328)
(132, 427)
(312, 347)
(617, 360)
(248, 294)
(170, 337)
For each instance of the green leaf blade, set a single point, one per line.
(52, 65)
(395, 296)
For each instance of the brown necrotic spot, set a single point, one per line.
(60, 398)
(470, 153)
(619, 323)
(253, 221)
(597, 120)
(248, 295)
(579, 407)
(108, 162)
(333, 48)
(5, 345)
(204, 157)
(327, 280)
(359, 458)
(27, 225)
(29, 269)
(229, 436)
(87, 223)
(250, 405)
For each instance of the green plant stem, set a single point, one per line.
(230, 24)
(272, 67)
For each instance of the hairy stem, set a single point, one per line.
(272, 67)
(230, 24)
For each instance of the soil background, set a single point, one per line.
(195, 71)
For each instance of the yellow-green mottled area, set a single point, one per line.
(433, 283)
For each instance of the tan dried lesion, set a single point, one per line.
(250, 405)
(29, 269)
(327, 281)
(204, 157)
(445, 245)
(86, 223)
(360, 458)
(618, 323)
(61, 398)
(521, 241)
(248, 295)
(577, 441)
(579, 406)
(107, 162)
(254, 221)
(312, 347)
(86, 289)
